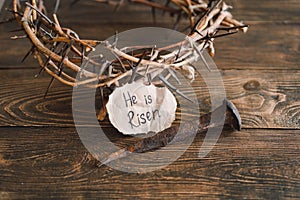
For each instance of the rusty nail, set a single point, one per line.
(232, 119)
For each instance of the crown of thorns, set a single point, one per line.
(61, 52)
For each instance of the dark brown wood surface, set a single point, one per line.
(41, 155)
(52, 162)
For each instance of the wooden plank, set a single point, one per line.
(265, 46)
(255, 10)
(52, 162)
(23, 103)
(13, 51)
(266, 99)
(271, 43)
(266, 11)
(96, 21)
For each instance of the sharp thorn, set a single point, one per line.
(48, 88)
(28, 53)
(173, 88)
(136, 67)
(56, 6)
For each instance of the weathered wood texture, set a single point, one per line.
(264, 101)
(271, 43)
(261, 73)
(52, 162)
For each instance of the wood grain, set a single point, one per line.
(46, 162)
(270, 100)
(269, 46)
(272, 41)
(23, 103)
(267, 11)
(265, 101)
(41, 155)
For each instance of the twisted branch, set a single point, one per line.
(58, 49)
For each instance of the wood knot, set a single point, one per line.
(252, 85)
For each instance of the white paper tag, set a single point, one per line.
(137, 108)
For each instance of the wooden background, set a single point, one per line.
(41, 154)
